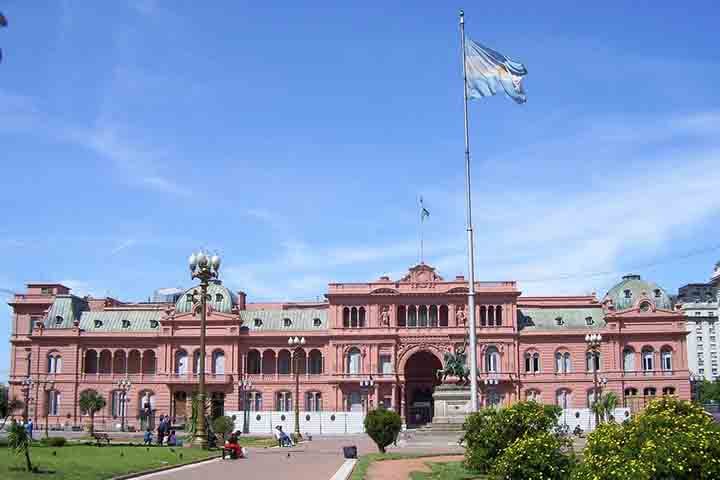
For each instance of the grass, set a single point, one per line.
(364, 462)
(446, 471)
(85, 462)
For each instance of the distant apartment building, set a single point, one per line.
(699, 304)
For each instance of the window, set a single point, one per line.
(648, 359)
(315, 362)
(645, 306)
(283, 401)
(562, 398)
(98, 323)
(253, 362)
(317, 322)
(591, 397)
(46, 291)
(699, 338)
(385, 364)
(492, 360)
(532, 362)
(218, 297)
(218, 360)
(562, 362)
(631, 392)
(628, 293)
(154, 324)
(701, 371)
(532, 395)
(313, 401)
(629, 360)
(657, 293)
(258, 322)
(287, 322)
(181, 362)
(255, 401)
(284, 362)
(53, 402)
(666, 359)
(712, 338)
(34, 321)
(117, 406)
(589, 321)
(54, 363)
(353, 361)
(196, 362)
(559, 321)
(592, 361)
(649, 391)
(58, 320)
(697, 314)
(126, 324)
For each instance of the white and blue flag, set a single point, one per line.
(488, 71)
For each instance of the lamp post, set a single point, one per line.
(245, 384)
(124, 386)
(490, 383)
(48, 387)
(367, 387)
(203, 267)
(26, 388)
(593, 341)
(695, 381)
(296, 344)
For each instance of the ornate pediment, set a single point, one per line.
(422, 274)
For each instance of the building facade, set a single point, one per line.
(393, 332)
(699, 304)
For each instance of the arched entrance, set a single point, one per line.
(420, 381)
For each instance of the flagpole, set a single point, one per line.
(471, 252)
(422, 259)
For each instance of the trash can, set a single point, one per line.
(350, 452)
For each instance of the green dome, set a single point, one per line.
(626, 293)
(221, 299)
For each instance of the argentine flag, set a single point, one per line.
(488, 71)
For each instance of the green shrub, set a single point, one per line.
(383, 426)
(223, 425)
(54, 441)
(669, 439)
(539, 456)
(490, 431)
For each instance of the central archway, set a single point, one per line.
(420, 381)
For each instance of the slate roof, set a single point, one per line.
(67, 308)
(545, 319)
(225, 305)
(112, 321)
(300, 319)
(637, 288)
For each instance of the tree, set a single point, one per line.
(90, 403)
(19, 441)
(383, 426)
(7, 406)
(223, 426)
(491, 430)
(605, 406)
(709, 391)
(669, 439)
(539, 456)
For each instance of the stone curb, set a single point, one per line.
(162, 469)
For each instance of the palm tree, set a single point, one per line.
(605, 406)
(90, 403)
(19, 440)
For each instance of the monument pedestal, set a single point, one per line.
(452, 404)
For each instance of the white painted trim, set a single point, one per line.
(345, 470)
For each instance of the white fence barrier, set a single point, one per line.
(583, 417)
(315, 423)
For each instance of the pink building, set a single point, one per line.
(393, 331)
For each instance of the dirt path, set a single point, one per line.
(400, 469)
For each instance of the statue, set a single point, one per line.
(460, 315)
(385, 316)
(455, 365)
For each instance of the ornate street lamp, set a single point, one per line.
(203, 267)
(245, 384)
(297, 343)
(48, 387)
(124, 385)
(593, 341)
(367, 388)
(26, 388)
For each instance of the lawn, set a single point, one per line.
(446, 471)
(85, 462)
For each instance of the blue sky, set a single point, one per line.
(295, 139)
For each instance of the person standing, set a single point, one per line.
(161, 430)
(29, 428)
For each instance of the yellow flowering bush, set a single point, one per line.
(535, 457)
(670, 439)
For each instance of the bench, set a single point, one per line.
(101, 437)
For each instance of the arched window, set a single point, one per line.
(631, 392)
(412, 316)
(146, 403)
(316, 363)
(196, 362)
(562, 398)
(91, 361)
(346, 317)
(567, 362)
(443, 316)
(361, 317)
(53, 402)
(591, 397)
(649, 391)
(648, 358)
(666, 359)
(592, 361)
(313, 401)
(268, 362)
(668, 391)
(628, 359)
(433, 311)
(54, 363)
(119, 361)
(532, 396)
(491, 316)
(532, 362)
(422, 316)
(401, 316)
(181, 362)
(353, 361)
(492, 360)
(218, 360)
(149, 362)
(562, 362)
(483, 316)
(354, 317)
(134, 366)
(253, 362)
(283, 401)
(118, 408)
(255, 401)
(105, 362)
(284, 362)
(498, 316)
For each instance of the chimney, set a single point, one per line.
(242, 300)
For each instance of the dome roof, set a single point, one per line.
(221, 299)
(626, 293)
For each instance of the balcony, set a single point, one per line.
(193, 378)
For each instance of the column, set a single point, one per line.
(97, 358)
(393, 401)
(142, 357)
(277, 364)
(307, 365)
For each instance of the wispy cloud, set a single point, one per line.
(125, 244)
